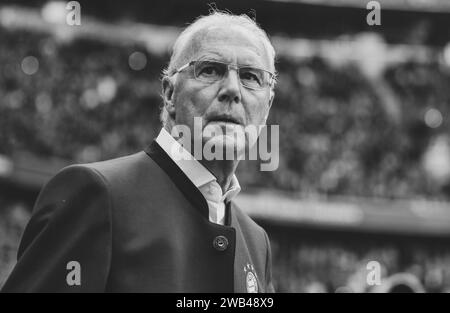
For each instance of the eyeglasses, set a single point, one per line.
(210, 71)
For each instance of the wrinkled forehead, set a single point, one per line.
(234, 44)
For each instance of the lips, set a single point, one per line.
(225, 118)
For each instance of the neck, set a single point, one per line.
(223, 171)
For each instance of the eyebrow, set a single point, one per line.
(219, 57)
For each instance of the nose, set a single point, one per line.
(230, 90)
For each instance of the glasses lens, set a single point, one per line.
(253, 78)
(212, 71)
(209, 71)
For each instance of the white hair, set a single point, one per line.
(214, 19)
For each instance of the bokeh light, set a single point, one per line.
(137, 61)
(30, 65)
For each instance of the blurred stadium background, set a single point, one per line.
(364, 170)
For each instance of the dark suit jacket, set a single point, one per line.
(137, 224)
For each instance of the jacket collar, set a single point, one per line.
(192, 168)
(182, 181)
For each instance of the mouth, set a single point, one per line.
(225, 119)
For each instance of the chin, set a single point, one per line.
(231, 147)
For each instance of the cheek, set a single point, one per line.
(256, 110)
(193, 101)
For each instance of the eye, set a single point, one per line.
(250, 75)
(209, 69)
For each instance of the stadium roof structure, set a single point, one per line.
(400, 5)
(370, 215)
(401, 20)
(157, 39)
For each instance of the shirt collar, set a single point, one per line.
(192, 168)
(233, 189)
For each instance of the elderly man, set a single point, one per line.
(158, 221)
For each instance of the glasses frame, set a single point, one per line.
(272, 76)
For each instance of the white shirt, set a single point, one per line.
(200, 176)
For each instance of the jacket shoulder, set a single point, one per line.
(128, 170)
(119, 166)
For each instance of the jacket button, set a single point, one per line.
(220, 243)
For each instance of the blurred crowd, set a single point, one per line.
(341, 133)
(14, 216)
(301, 263)
(315, 265)
(81, 101)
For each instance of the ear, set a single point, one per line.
(167, 86)
(271, 97)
